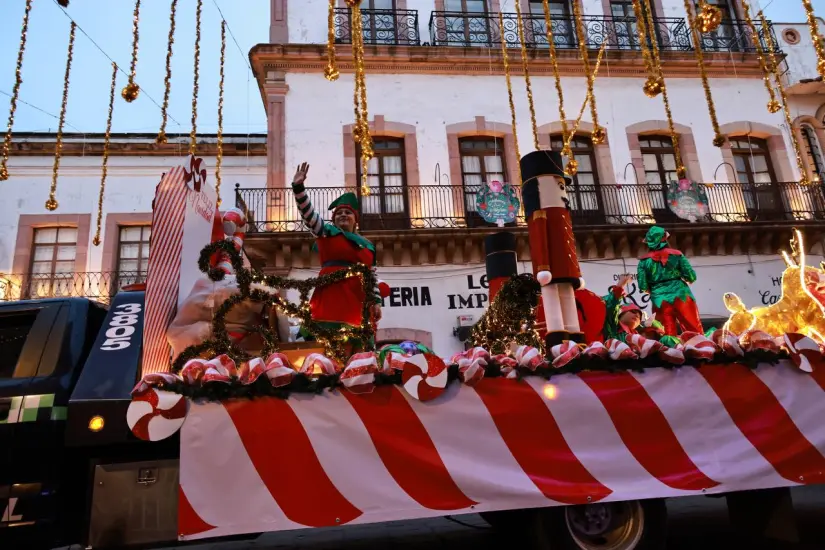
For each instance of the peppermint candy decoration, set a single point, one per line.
(195, 176)
(804, 352)
(155, 414)
(698, 346)
(359, 376)
(619, 351)
(279, 370)
(220, 369)
(529, 357)
(471, 365)
(154, 380)
(596, 350)
(424, 376)
(728, 342)
(320, 362)
(753, 340)
(564, 353)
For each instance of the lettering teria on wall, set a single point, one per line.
(433, 298)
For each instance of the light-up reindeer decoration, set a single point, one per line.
(801, 308)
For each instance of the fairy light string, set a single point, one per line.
(816, 36)
(718, 138)
(194, 132)
(331, 70)
(506, 60)
(51, 203)
(219, 159)
(131, 91)
(599, 135)
(773, 65)
(554, 62)
(105, 169)
(167, 81)
(773, 104)
(15, 92)
(525, 66)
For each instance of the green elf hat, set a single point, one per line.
(348, 201)
(656, 238)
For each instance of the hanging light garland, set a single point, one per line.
(773, 65)
(51, 203)
(15, 92)
(219, 160)
(526, 68)
(105, 169)
(773, 104)
(331, 70)
(506, 60)
(709, 17)
(131, 91)
(554, 62)
(194, 132)
(167, 81)
(653, 85)
(816, 37)
(718, 138)
(361, 129)
(599, 135)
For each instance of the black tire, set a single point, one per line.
(635, 525)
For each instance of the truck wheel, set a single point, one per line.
(632, 525)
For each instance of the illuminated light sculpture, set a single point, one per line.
(801, 309)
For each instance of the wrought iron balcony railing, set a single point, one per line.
(454, 206)
(672, 34)
(99, 286)
(391, 27)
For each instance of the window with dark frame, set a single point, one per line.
(727, 35)
(813, 151)
(659, 158)
(133, 254)
(482, 160)
(473, 27)
(624, 23)
(561, 14)
(386, 207)
(584, 193)
(54, 250)
(379, 27)
(754, 172)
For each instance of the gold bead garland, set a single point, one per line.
(525, 67)
(219, 159)
(718, 138)
(506, 60)
(167, 81)
(331, 70)
(51, 203)
(15, 92)
(361, 129)
(773, 65)
(773, 104)
(709, 17)
(557, 77)
(598, 136)
(131, 91)
(194, 132)
(816, 37)
(105, 168)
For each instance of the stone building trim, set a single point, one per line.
(687, 146)
(604, 160)
(381, 127)
(481, 127)
(776, 147)
(27, 223)
(274, 91)
(111, 235)
(278, 23)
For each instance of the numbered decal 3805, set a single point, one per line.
(122, 326)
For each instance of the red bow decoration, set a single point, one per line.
(195, 175)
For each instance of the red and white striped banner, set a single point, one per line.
(501, 444)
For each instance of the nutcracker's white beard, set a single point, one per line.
(559, 303)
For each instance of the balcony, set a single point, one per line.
(385, 27)
(98, 286)
(454, 206)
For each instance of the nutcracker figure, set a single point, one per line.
(552, 245)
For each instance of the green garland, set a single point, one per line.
(302, 384)
(334, 340)
(510, 317)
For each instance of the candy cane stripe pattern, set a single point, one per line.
(596, 350)
(156, 414)
(319, 362)
(698, 346)
(424, 376)
(619, 351)
(757, 340)
(529, 357)
(728, 342)
(564, 353)
(220, 369)
(804, 352)
(359, 376)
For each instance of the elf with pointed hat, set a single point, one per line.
(339, 247)
(665, 274)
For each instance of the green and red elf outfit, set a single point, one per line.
(340, 303)
(665, 274)
(614, 328)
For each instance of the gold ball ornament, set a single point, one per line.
(709, 18)
(96, 241)
(4, 173)
(572, 167)
(51, 205)
(331, 73)
(653, 87)
(130, 92)
(161, 139)
(774, 106)
(598, 136)
(719, 140)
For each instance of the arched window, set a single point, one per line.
(482, 160)
(659, 159)
(754, 172)
(386, 207)
(813, 151)
(584, 194)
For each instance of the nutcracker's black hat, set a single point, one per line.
(542, 163)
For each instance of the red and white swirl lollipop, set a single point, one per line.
(424, 376)
(155, 414)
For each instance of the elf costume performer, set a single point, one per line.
(665, 274)
(622, 320)
(339, 247)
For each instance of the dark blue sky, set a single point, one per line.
(109, 23)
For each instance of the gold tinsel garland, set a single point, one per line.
(361, 130)
(15, 92)
(773, 104)
(506, 60)
(718, 138)
(709, 17)
(131, 91)
(167, 81)
(51, 203)
(331, 70)
(599, 135)
(526, 68)
(653, 85)
(773, 65)
(816, 37)
(659, 83)
(105, 169)
(510, 317)
(219, 159)
(551, 41)
(193, 134)
(573, 165)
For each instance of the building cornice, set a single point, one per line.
(136, 145)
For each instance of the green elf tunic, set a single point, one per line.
(614, 329)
